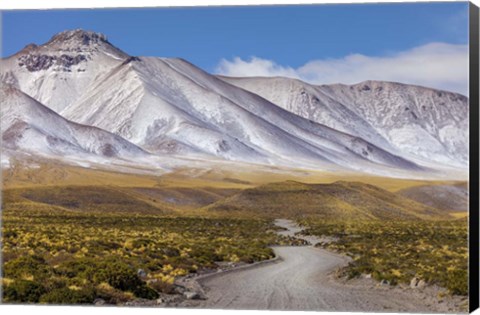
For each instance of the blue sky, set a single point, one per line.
(218, 39)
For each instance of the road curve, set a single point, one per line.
(301, 280)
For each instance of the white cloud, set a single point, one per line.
(437, 65)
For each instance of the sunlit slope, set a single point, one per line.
(110, 199)
(339, 200)
(78, 199)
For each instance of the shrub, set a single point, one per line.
(397, 251)
(145, 292)
(27, 266)
(111, 295)
(118, 275)
(23, 291)
(84, 268)
(68, 296)
(54, 283)
(122, 277)
(457, 282)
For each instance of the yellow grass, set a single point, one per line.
(459, 215)
(243, 176)
(51, 174)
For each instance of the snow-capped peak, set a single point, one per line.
(72, 43)
(58, 72)
(83, 41)
(78, 36)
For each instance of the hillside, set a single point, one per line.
(444, 197)
(340, 200)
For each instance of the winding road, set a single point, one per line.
(300, 279)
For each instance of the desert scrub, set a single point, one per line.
(69, 296)
(53, 255)
(398, 251)
(25, 291)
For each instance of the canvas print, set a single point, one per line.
(302, 157)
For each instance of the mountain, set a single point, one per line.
(339, 200)
(32, 127)
(415, 122)
(169, 107)
(62, 69)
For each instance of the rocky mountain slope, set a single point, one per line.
(415, 122)
(29, 126)
(62, 69)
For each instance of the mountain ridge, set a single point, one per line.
(169, 106)
(416, 122)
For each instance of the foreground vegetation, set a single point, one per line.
(76, 244)
(54, 255)
(398, 251)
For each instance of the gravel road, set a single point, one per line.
(301, 279)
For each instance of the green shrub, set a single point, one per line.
(84, 268)
(23, 291)
(457, 281)
(145, 292)
(119, 275)
(55, 283)
(122, 277)
(27, 266)
(68, 296)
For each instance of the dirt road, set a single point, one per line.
(301, 280)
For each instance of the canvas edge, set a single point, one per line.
(474, 159)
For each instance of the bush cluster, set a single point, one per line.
(57, 256)
(397, 251)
